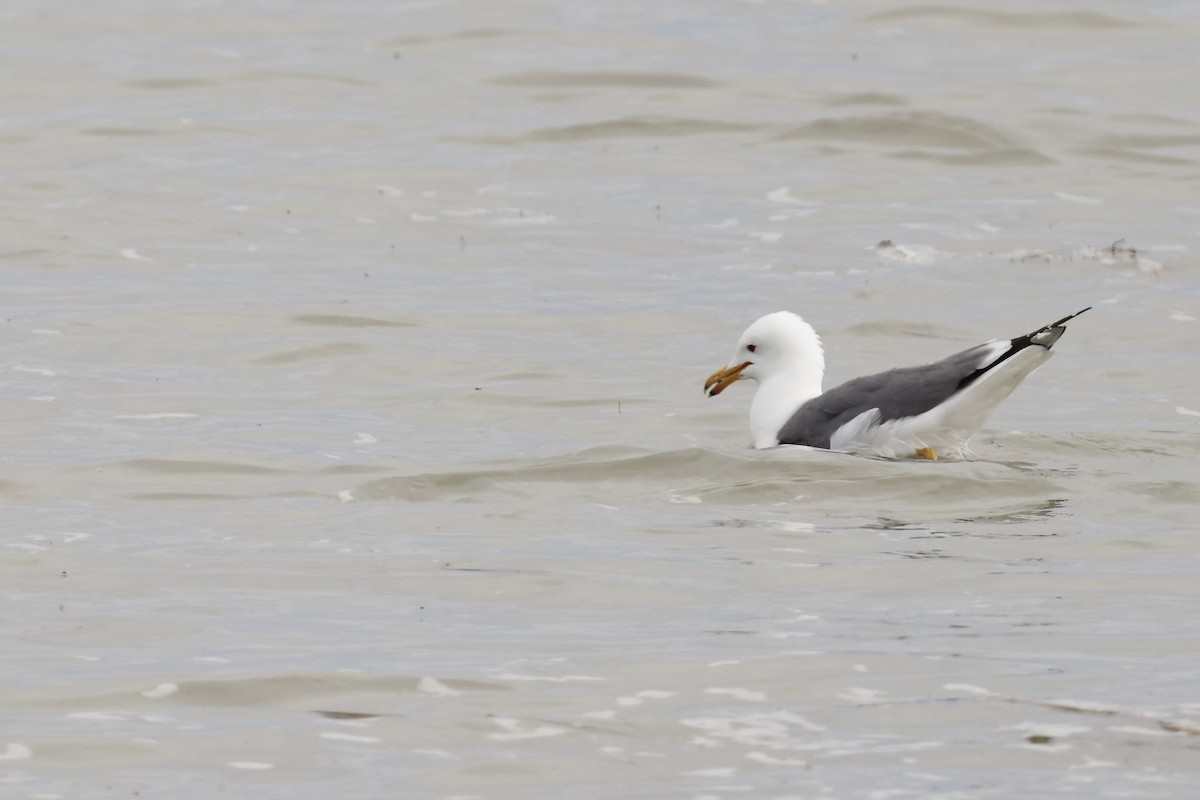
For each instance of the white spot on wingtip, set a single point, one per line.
(134, 255)
(162, 690)
(345, 496)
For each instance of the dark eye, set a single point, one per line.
(751, 347)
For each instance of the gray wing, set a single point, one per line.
(903, 392)
(908, 391)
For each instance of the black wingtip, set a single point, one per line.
(1067, 318)
(1042, 337)
(1048, 335)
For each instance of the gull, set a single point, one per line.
(925, 411)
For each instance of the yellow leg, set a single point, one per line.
(927, 453)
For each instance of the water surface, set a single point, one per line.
(354, 440)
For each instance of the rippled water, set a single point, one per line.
(354, 440)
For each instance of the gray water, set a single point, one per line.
(353, 435)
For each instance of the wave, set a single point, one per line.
(797, 477)
(990, 18)
(553, 79)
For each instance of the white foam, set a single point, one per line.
(713, 772)
(909, 253)
(773, 729)
(1056, 730)
(1079, 198)
(15, 751)
(793, 526)
(764, 758)
(791, 213)
(1140, 731)
(99, 716)
(606, 714)
(49, 373)
(859, 694)
(748, 695)
(349, 737)
(527, 219)
(511, 676)
(513, 730)
(432, 751)
(969, 689)
(782, 195)
(430, 685)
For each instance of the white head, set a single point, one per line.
(783, 354)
